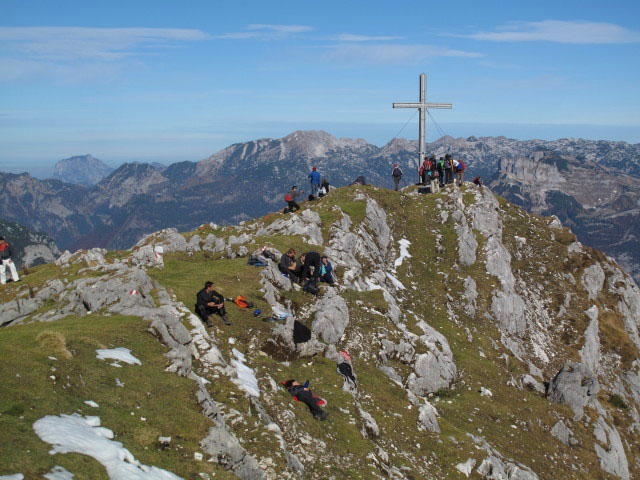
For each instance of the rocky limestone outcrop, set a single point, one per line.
(331, 317)
(306, 224)
(610, 450)
(576, 386)
(590, 351)
(593, 280)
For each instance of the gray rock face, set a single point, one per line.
(331, 318)
(370, 427)
(428, 418)
(435, 369)
(561, 432)
(529, 382)
(374, 234)
(494, 468)
(574, 385)
(590, 351)
(227, 451)
(306, 224)
(610, 450)
(629, 303)
(593, 280)
(145, 256)
(470, 296)
(467, 245)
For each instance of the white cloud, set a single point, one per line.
(393, 53)
(284, 29)
(349, 37)
(579, 32)
(65, 52)
(264, 31)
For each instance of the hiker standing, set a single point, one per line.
(6, 252)
(304, 395)
(424, 170)
(315, 181)
(433, 178)
(448, 169)
(209, 301)
(326, 271)
(290, 198)
(397, 175)
(440, 166)
(460, 168)
(288, 265)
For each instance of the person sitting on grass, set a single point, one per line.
(209, 301)
(303, 394)
(288, 265)
(326, 271)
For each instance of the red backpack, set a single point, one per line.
(287, 198)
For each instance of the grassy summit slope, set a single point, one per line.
(390, 311)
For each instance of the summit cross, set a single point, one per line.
(422, 106)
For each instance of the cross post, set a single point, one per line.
(422, 106)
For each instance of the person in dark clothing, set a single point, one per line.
(304, 395)
(312, 264)
(209, 301)
(288, 265)
(448, 168)
(477, 181)
(440, 167)
(324, 188)
(290, 198)
(397, 175)
(425, 168)
(326, 271)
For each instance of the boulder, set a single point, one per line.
(575, 385)
(435, 369)
(331, 317)
(225, 449)
(428, 418)
(529, 382)
(561, 432)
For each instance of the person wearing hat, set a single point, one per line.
(5, 259)
(397, 175)
(315, 182)
(209, 301)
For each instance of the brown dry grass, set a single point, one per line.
(54, 342)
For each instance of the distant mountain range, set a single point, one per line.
(247, 180)
(87, 170)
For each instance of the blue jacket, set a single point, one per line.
(324, 269)
(315, 177)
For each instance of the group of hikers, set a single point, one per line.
(435, 172)
(310, 269)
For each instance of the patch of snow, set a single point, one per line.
(15, 476)
(395, 281)
(119, 383)
(246, 377)
(119, 354)
(115, 364)
(404, 252)
(91, 403)
(77, 434)
(485, 392)
(371, 285)
(50, 358)
(59, 473)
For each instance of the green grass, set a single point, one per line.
(166, 400)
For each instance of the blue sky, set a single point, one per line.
(169, 81)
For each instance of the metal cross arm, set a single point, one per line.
(422, 105)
